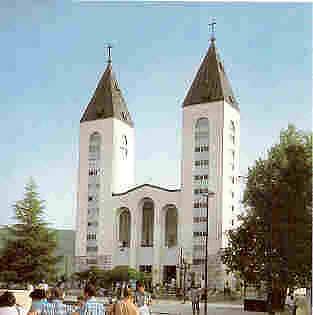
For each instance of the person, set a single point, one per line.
(126, 306)
(291, 303)
(44, 286)
(195, 300)
(91, 306)
(39, 298)
(173, 282)
(80, 301)
(30, 287)
(55, 305)
(142, 299)
(8, 305)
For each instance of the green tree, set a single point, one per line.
(125, 273)
(28, 256)
(104, 278)
(273, 240)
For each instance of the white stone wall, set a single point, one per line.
(123, 170)
(116, 174)
(214, 113)
(219, 115)
(230, 114)
(105, 128)
(158, 255)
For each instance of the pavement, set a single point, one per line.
(176, 307)
(231, 308)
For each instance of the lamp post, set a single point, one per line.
(187, 261)
(180, 266)
(209, 194)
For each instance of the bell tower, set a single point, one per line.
(106, 166)
(210, 162)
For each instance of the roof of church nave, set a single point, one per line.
(107, 100)
(211, 83)
(145, 185)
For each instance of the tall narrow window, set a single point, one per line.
(232, 126)
(201, 163)
(202, 132)
(123, 148)
(124, 228)
(147, 224)
(232, 132)
(171, 227)
(94, 146)
(93, 188)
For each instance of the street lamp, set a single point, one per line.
(207, 196)
(187, 261)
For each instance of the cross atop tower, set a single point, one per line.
(109, 49)
(212, 26)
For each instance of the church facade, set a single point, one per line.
(148, 227)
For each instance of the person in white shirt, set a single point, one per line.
(44, 286)
(291, 303)
(8, 305)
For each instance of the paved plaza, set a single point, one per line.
(213, 308)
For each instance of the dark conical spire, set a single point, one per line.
(211, 83)
(107, 100)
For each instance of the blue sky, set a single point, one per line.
(53, 55)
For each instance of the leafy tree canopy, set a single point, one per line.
(273, 238)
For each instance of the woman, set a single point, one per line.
(39, 298)
(142, 299)
(8, 305)
(126, 306)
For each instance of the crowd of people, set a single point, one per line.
(51, 302)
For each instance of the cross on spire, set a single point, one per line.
(212, 26)
(109, 49)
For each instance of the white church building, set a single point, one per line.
(148, 227)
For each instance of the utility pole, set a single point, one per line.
(209, 194)
(206, 257)
(185, 270)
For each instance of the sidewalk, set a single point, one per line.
(231, 304)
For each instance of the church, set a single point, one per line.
(152, 228)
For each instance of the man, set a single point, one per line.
(195, 300)
(91, 306)
(142, 299)
(55, 304)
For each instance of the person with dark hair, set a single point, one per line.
(91, 306)
(80, 301)
(195, 300)
(291, 303)
(142, 299)
(8, 305)
(39, 298)
(126, 306)
(55, 304)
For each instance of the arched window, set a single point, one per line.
(171, 227)
(232, 126)
(147, 224)
(124, 228)
(232, 132)
(202, 133)
(94, 146)
(202, 125)
(124, 148)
